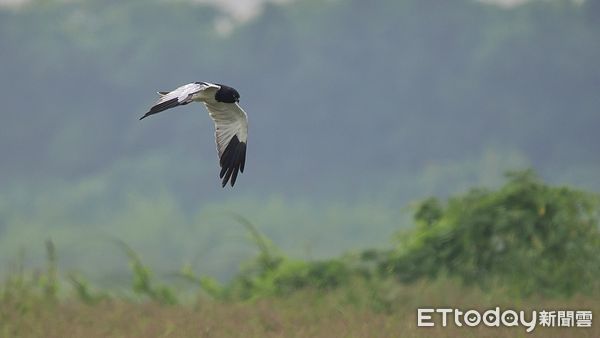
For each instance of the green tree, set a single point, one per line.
(528, 236)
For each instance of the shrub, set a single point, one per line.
(528, 236)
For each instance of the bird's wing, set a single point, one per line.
(178, 97)
(231, 124)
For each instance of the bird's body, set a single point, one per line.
(231, 122)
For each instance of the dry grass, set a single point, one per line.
(344, 313)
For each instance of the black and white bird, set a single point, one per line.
(231, 122)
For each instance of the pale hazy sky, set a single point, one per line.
(245, 9)
(241, 9)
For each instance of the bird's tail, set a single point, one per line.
(163, 103)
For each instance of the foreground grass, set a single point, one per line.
(352, 312)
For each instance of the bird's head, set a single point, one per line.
(227, 94)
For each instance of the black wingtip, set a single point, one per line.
(232, 161)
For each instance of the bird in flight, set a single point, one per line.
(231, 122)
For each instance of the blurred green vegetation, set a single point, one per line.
(526, 245)
(527, 236)
(524, 239)
(355, 111)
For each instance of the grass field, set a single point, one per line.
(349, 312)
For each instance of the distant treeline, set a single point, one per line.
(386, 88)
(525, 238)
(355, 110)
